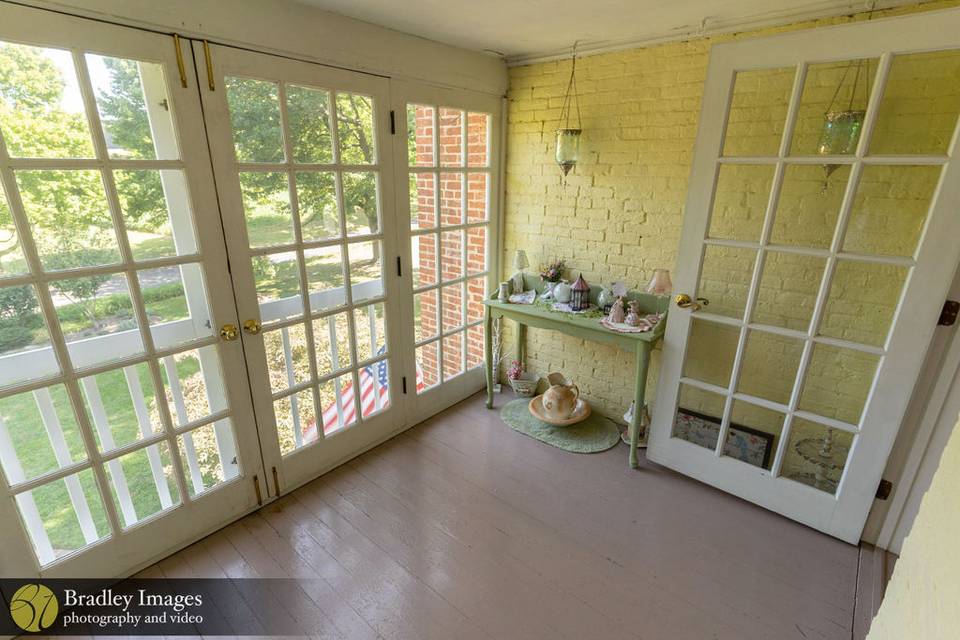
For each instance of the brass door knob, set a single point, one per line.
(251, 326)
(229, 332)
(686, 302)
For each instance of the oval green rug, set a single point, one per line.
(593, 435)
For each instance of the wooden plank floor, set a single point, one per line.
(462, 528)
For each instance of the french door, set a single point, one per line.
(448, 176)
(825, 274)
(126, 425)
(303, 162)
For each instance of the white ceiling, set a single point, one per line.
(524, 30)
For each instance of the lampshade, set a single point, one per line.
(660, 283)
(520, 261)
(568, 149)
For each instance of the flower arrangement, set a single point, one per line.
(551, 271)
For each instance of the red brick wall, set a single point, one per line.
(448, 192)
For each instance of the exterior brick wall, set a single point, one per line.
(620, 214)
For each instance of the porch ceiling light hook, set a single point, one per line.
(568, 137)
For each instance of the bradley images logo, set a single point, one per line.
(34, 607)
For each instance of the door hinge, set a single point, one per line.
(948, 315)
(404, 380)
(884, 489)
(393, 123)
(399, 268)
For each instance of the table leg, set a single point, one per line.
(488, 355)
(521, 342)
(643, 363)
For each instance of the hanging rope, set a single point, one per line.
(571, 90)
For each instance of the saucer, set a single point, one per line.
(580, 413)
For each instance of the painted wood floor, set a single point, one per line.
(462, 528)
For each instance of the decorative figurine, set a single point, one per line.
(561, 291)
(634, 317)
(616, 312)
(550, 275)
(580, 295)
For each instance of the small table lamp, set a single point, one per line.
(520, 263)
(660, 285)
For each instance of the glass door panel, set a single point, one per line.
(115, 420)
(813, 228)
(299, 152)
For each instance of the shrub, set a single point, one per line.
(14, 337)
(17, 302)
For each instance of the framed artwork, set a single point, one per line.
(743, 443)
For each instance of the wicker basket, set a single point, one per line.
(526, 385)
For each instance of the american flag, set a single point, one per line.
(374, 396)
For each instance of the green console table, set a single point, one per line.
(586, 327)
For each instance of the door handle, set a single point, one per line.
(229, 332)
(686, 302)
(251, 326)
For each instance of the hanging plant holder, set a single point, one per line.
(568, 134)
(841, 128)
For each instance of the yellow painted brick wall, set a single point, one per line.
(619, 216)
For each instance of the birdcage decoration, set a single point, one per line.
(580, 295)
(568, 136)
(841, 127)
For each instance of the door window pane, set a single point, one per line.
(288, 359)
(45, 118)
(266, 205)
(374, 388)
(331, 343)
(156, 213)
(121, 406)
(452, 306)
(452, 356)
(921, 100)
(132, 100)
(758, 112)
(355, 129)
(69, 218)
(337, 403)
(92, 307)
(836, 92)
(208, 456)
(769, 367)
(862, 300)
(478, 140)
(816, 455)
(370, 326)
(255, 119)
(366, 270)
(711, 348)
(423, 249)
(361, 211)
(450, 139)
(142, 483)
(175, 299)
(317, 202)
(193, 384)
(788, 290)
(451, 255)
(477, 195)
(12, 261)
(809, 206)
(698, 416)
(25, 351)
(425, 314)
(64, 515)
(40, 434)
(324, 267)
(476, 292)
(890, 208)
(308, 111)
(296, 419)
(277, 278)
(451, 199)
(725, 279)
(420, 135)
(740, 201)
(423, 200)
(477, 250)
(428, 366)
(754, 434)
(838, 382)
(475, 346)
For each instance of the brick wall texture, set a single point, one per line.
(620, 213)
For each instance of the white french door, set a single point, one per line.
(447, 168)
(825, 274)
(126, 426)
(303, 162)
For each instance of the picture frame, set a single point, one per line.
(746, 444)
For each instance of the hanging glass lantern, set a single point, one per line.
(840, 134)
(841, 127)
(568, 137)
